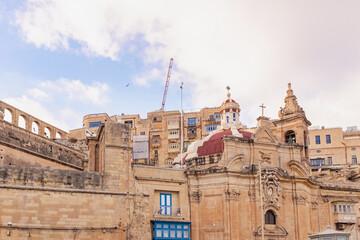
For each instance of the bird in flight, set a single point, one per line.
(127, 85)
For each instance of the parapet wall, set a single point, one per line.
(50, 178)
(21, 141)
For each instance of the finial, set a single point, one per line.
(262, 109)
(289, 91)
(228, 94)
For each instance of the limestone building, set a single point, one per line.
(231, 183)
(331, 147)
(161, 130)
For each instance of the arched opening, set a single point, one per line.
(270, 217)
(97, 160)
(47, 132)
(35, 127)
(290, 137)
(22, 122)
(58, 135)
(8, 115)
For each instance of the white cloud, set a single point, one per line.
(255, 47)
(38, 94)
(148, 76)
(96, 93)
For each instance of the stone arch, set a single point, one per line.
(235, 164)
(47, 132)
(290, 136)
(22, 121)
(299, 168)
(58, 135)
(9, 115)
(35, 127)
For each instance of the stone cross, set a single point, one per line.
(262, 109)
(228, 88)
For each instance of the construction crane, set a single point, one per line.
(167, 84)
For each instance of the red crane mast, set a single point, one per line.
(167, 83)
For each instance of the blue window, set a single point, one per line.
(211, 127)
(171, 230)
(234, 117)
(165, 203)
(317, 139)
(191, 121)
(217, 117)
(328, 139)
(354, 159)
(94, 124)
(317, 162)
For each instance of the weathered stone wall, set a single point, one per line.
(50, 178)
(25, 142)
(66, 204)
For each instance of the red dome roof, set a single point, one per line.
(215, 144)
(228, 100)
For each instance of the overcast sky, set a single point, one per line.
(61, 60)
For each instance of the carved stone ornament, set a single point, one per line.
(195, 196)
(271, 185)
(273, 231)
(314, 205)
(299, 199)
(232, 194)
(252, 195)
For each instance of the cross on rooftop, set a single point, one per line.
(262, 109)
(228, 88)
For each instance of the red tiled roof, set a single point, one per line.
(215, 144)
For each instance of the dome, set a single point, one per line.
(215, 144)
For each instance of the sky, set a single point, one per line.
(63, 59)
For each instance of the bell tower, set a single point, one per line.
(292, 125)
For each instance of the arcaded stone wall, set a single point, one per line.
(21, 141)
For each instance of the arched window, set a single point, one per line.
(35, 127)
(270, 217)
(22, 121)
(58, 135)
(8, 115)
(47, 132)
(290, 137)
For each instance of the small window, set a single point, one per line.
(317, 139)
(142, 133)
(328, 139)
(270, 217)
(329, 160)
(334, 208)
(290, 137)
(217, 116)
(130, 123)
(94, 124)
(354, 159)
(211, 127)
(191, 121)
(155, 119)
(318, 151)
(234, 117)
(353, 149)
